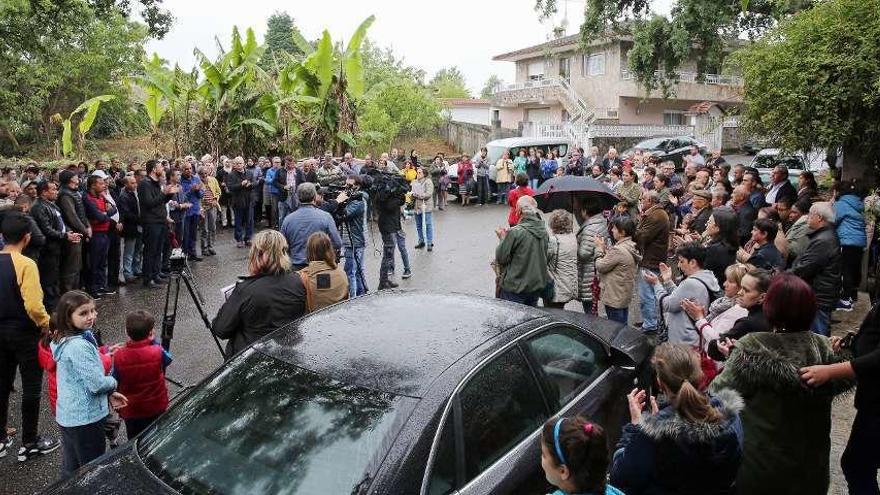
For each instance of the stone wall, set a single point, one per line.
(469, 138)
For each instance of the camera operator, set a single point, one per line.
(352, 233)
(305, 221)
(392, 233)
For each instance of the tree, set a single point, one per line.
(449, 83)
(815, 81)
(380, 65)
(279, 42)
(701, 29)
(396, 107)
(157, 19)
(489, 88)
(89, 109)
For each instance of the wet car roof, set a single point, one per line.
(394, 341)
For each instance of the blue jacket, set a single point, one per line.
(194, 197)
(353, 234)
(849, 216)
(270, 180)
(666, 454)
(82, 385)
(305, 221)
(609, 490)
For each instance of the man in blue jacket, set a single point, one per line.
(305, 221)
(193, 190)
(849, 220)
(352, 234)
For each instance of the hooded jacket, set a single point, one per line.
(522, 255)
(682, 328)
(617, 273)
(786, 424)
(586, 236)
(849, 216)
(819, 266)
(82, 386)
(668, 454)
(562, 266)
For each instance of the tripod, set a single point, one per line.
(172, 294)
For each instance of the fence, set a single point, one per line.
(468, 138)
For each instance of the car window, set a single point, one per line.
(500, 406)
(265, 426)
(570, 359)
(443, 471)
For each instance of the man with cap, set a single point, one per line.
(701, 210)
(73, 212)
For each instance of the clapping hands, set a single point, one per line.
(637, 400)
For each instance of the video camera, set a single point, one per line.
(384, 186)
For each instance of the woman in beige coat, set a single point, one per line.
(562, 259)
(616, 267)
(503, 176)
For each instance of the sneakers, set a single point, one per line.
(41, 447)
(106, 292)
(844, 305)
(5, 444)
(406, 274)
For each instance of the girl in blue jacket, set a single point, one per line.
(849, 217)
(574, 456)
(83, 388)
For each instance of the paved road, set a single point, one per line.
(464, 244)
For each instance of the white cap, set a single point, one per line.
(99, 173)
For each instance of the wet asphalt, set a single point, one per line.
(464, 243)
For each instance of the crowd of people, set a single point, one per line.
(735, 280)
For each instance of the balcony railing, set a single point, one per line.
(530, 84)
(692, 77)
(583, 133)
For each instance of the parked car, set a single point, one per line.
(767, 159)
(663, 149)
(494, 150)
(386, 393)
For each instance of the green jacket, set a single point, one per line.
(522, 256)
(786, 424)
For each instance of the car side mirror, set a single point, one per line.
(622, 360)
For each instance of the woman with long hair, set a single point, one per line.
(692, 445)
(269, 297)
(786, 425)
(326, 282)
(721, 241)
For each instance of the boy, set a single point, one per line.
(139, 367)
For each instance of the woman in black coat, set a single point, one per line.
(722, 232)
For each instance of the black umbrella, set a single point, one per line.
(567, 191)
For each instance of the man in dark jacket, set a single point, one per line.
(390, 228)
(48, 217)
(745, 212)
(151, 199)
(819, 265)
(352, 234)
(239, 184)
(781, 189)
(522, 255)
(74, 214)
(652, 240)
(130, 216)
(765, 254)
(285, 181)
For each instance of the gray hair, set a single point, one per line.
(652, 196)
(306, 192)
(783, 169)
(527, 205)
(560, 222)
(824, 210)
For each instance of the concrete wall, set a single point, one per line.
(469, 138)
(512, 116)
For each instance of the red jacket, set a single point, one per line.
(512, 197)
(465, 171)
(101, 205)
(139, 367)
(47, 362)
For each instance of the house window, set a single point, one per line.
(536, 71)
(594, 64)
(672, 117)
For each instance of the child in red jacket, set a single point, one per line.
(139, 367)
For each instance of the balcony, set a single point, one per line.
(690, 86)
(532, 91)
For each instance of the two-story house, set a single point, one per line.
(561, 89)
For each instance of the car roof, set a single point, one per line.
(394, 341)
(520, 141)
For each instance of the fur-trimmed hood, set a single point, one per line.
(668, 425)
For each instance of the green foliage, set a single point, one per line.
(489, 88)
(449, 83)
(399, 107)
(381, 65)
(157, 19)
(279, 42)
(89, 108)
(815, 80)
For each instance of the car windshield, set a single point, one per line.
(265, 426)
(652, 144)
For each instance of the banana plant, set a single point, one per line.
(90, 107)
(157, 84)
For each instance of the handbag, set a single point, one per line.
(707, 364)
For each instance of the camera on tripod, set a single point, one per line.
(177, 261)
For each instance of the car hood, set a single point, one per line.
(120, 471)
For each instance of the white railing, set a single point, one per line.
(639, 131)
(530, 84)
(692, 77)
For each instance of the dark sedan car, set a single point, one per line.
(672, 149)
(389, 393)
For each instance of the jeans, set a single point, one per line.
(190, 233)
(133, 426)
(861, 459)
(284, 209)
(99, 247)
(429, 227)
(400, 238)
(851, 269)
(503, 189)
(18, 349)
(244, 224)
(155, 235)
(647, 301)
(822, 322)
(209, 227)
(483, 189)
(527, 298)
(132, 258)
(354, 268)
(617, 314)
(81, 445)
(533, 183)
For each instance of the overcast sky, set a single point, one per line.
(427, 34)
